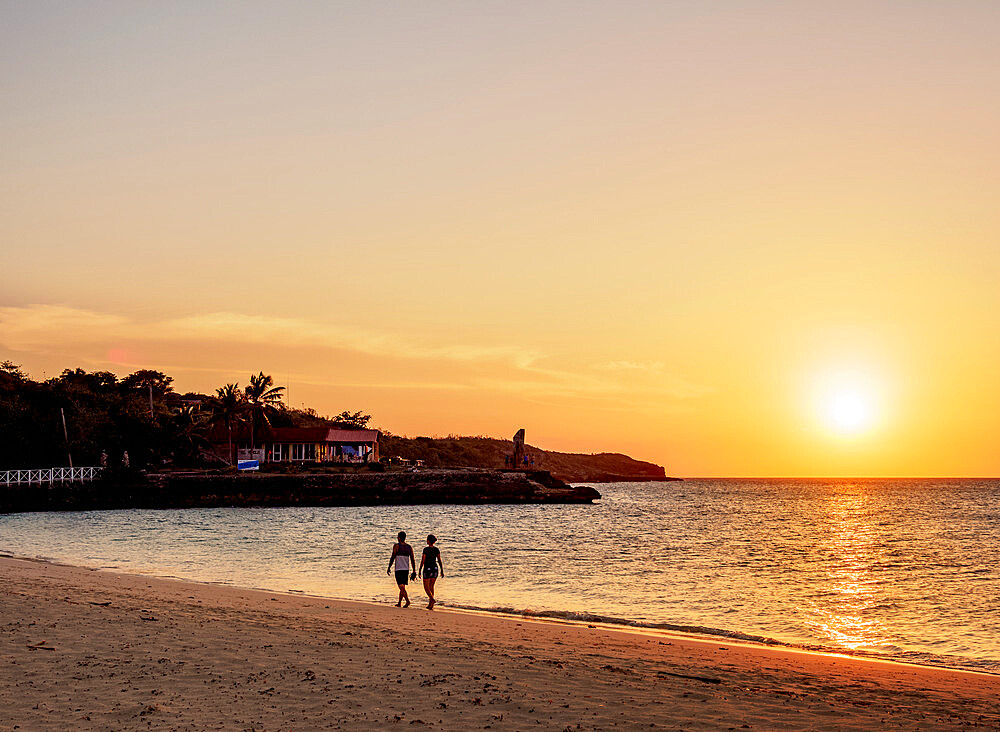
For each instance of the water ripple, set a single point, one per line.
(899, 569)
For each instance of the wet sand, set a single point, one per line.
(86, 649)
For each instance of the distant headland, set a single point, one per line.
(156, 447)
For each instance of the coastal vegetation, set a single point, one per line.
(140, 421)
(488, 452)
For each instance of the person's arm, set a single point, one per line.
(413, 565)
(423, 556)
(440, 564)
(395, 550)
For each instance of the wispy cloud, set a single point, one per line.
(650, 366)
(503, 368)
(242, 328)
(33, 326)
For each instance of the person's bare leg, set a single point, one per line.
(429, 585)
(403, 596)
(402, 592)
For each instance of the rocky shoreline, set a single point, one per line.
(333, 488)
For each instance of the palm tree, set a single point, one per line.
(261, 396)
(228, 407)
(186, 431)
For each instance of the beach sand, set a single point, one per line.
(86, 649)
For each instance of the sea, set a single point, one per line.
(906, 570)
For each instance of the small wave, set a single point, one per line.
(886, 653)
(584, 617)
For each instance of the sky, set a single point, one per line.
(732, 238)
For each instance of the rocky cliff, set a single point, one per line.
(488, 452)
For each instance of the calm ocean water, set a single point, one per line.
(902, 569)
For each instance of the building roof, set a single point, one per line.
(320, 434)
(329, 435)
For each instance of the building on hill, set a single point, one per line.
(301, 445)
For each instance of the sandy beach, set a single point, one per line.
(88, 649)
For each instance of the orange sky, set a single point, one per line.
(674, 230)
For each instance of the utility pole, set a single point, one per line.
(66, 435)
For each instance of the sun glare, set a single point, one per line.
(846, 402)
(848, 412)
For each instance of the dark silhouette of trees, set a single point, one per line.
(142, 380)
(353, 419)
(187, 435)
(229, 407)
(101, 416)
(262, 398)
(112, 416)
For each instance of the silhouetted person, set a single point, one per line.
(405, 566)
(430, 562)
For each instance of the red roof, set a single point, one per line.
(298, 434)
(319, 434)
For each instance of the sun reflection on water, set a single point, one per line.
(846, 616)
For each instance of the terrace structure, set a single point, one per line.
(305, 445)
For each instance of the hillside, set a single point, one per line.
(488, 452)
(98, 417)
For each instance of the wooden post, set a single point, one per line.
(66, 435)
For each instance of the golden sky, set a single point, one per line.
(734, 238)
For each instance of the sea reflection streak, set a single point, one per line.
(844, 612)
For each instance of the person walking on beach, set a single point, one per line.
(430, 561)
(405, 563)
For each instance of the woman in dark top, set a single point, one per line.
(430, 562)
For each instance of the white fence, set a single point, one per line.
(48, 475)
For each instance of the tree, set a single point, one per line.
(261, 397)
(228, 407)
(186, 434)
(13, 370)
(144, 379)
(95, 381)
(353, 419)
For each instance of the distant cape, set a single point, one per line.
(489, 452)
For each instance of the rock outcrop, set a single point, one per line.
(489, 452)
(333, 488)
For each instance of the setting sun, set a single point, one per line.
(849, 400)
(848, 412)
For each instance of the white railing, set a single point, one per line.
(48, 475)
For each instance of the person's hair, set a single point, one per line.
(401, 536)
(431, 538)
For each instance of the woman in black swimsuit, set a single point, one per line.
(430, 561)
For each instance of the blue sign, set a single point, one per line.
(248, 465)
